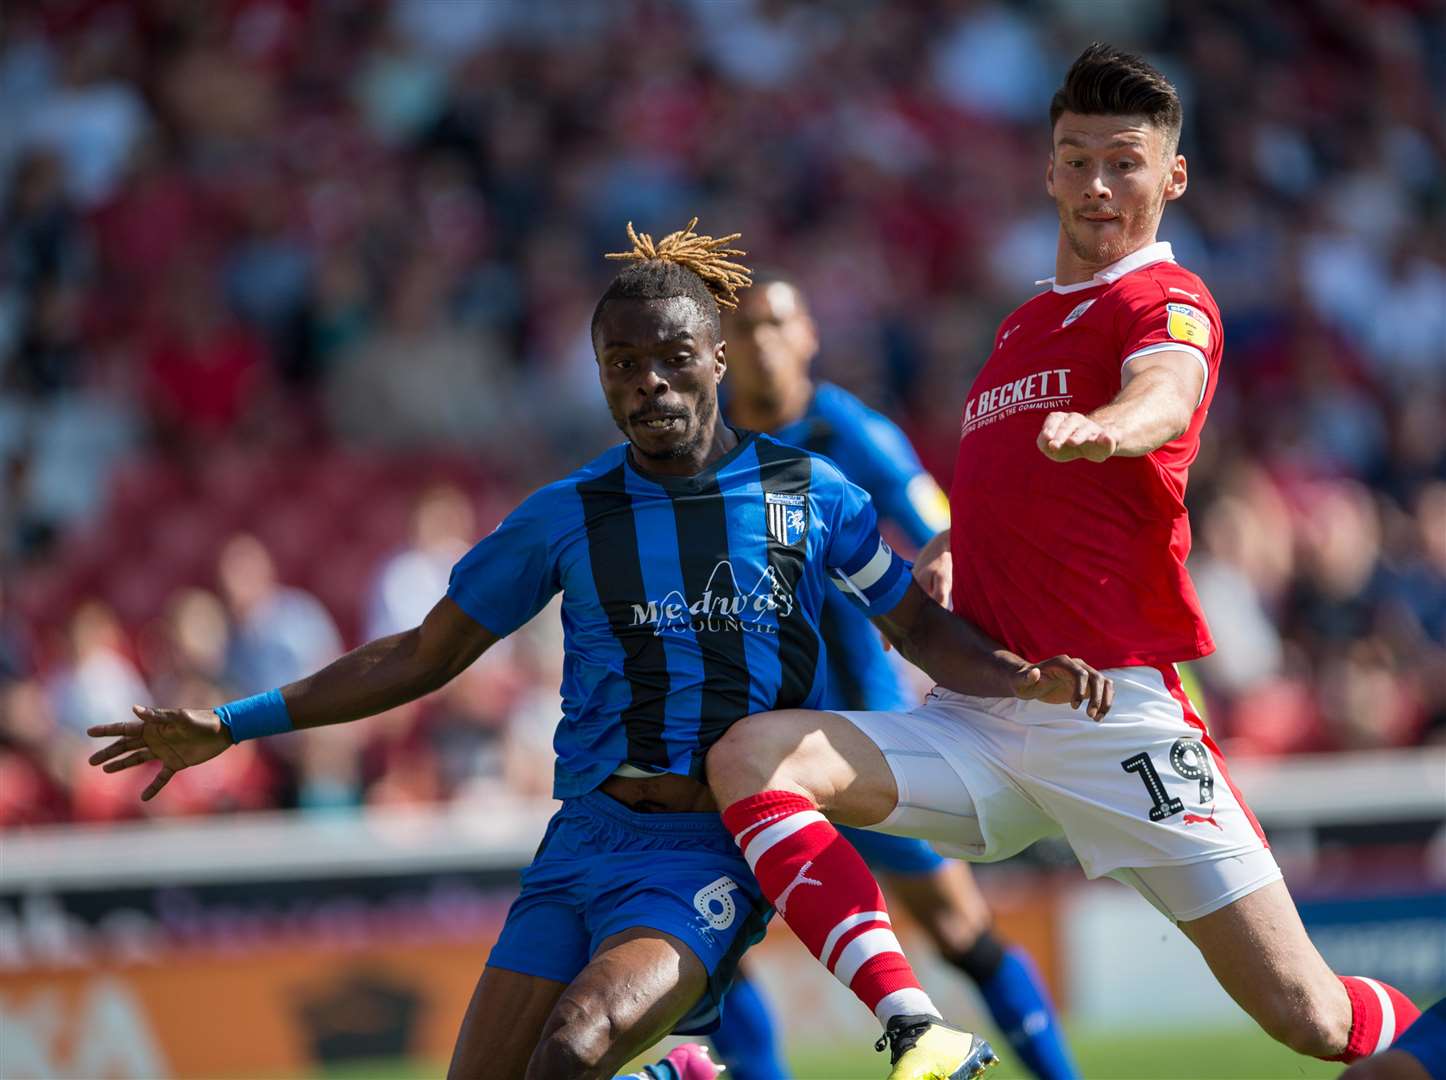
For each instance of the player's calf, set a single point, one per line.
(1314, 1022)
(1258, 949)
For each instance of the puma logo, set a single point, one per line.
(1203, 819)
(1192, 295)
(800, 879)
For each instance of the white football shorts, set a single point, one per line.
(1142, 796)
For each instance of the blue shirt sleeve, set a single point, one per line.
(876, 454)
(907, 495)
(860, 563)
(511, 574)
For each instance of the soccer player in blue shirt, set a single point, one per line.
(772, 342)
(693, 561)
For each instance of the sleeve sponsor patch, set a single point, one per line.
(929, 501)
(1189, 324)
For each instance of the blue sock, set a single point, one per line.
(1021, 1008)
(746, 1040)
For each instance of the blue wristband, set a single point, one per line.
(255, 716)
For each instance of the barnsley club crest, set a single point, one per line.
(787, 517)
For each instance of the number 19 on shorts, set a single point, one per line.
(1190, 760)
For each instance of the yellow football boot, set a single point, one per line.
(923, 1048)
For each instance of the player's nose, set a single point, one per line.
(652, 380)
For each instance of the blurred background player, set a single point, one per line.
(772, 342)
(1070, 534)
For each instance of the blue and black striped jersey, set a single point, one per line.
(874, 454)
(688, 602)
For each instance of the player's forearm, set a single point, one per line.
(929, 555)
(1149, 412)
(371, 679)
(950, 650)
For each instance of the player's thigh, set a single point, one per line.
(952, 765)
(503, 1024)
(1258, 949)
(821, 755)
(635, 990)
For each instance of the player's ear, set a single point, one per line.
(1178, 179)
(1049, 174)
(811, 330)
(720, 362)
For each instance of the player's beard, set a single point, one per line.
(1135, 230)
(703, 420)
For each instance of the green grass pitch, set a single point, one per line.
(1233, 1054)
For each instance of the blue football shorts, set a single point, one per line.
(1425, 1040)
(603, 868)
(890, 854)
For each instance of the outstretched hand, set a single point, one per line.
(1062, 680)
(177, 738)
(1070, 436)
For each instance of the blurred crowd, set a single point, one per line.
(294, 301)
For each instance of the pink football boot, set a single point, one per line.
(692, 1062)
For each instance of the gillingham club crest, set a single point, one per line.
(787, 517)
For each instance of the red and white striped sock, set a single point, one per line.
(824, 891)
(1379, 1012)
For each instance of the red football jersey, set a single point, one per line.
(1085, 558)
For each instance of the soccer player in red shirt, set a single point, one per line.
(1069, 536)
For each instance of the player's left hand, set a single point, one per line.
(1067, 436)
(1062, 680)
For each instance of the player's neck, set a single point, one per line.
(1070, 269)
(723, 440)
(779, 412)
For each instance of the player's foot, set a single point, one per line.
(691, 1062)
(923, 1048)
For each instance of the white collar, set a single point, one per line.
(1159, 251)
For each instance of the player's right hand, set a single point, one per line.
(177, 738)
(1063, 680)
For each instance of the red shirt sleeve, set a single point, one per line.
(1172, 311)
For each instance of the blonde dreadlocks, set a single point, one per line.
(706, 256)
(680, 264)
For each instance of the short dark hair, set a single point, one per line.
(658, 279)
(1106, 81)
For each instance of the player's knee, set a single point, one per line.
(753, 755)
(576, 1043)
(957, 930)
